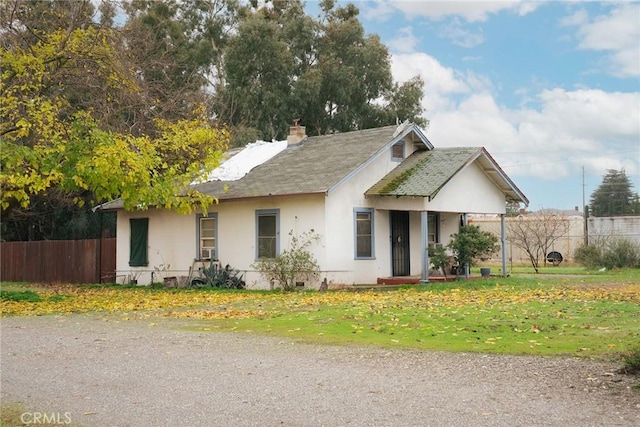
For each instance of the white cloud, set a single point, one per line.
(593, 114)
(571, 129)
(461, 36)
(406, 42)
(455, 14)
(579, 17)
(440, 82)
(471, 11)
(476, 121)
(381, 11)
(566, 130)
(617, 33)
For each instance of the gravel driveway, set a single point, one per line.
(107, 372)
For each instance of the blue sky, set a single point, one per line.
(549, 88)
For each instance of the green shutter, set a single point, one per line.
(139, 237)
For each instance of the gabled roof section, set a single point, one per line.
(315, 165)
(425, 173)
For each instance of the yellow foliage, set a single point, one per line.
(46, 144)
(64, 299)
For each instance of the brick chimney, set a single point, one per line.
(296, 133)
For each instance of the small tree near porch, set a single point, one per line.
(471, 243)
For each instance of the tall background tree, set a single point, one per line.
(283, 65)
(176, 50)
(614, 196)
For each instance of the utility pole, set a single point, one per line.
(585, 217)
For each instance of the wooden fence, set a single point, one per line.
(68, 261)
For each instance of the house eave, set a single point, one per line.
(116, 205)
(222, 199)
(496, 174)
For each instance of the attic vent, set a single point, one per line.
(397, 151)
(296, 133)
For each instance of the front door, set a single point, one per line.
(400, 243)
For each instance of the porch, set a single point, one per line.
(415, 280)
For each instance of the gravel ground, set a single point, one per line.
(106, 372)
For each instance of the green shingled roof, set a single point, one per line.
(424, 173)
(313, 166)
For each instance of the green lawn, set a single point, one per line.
(591, 315)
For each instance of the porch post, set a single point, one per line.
(465, 222)
(424, 222)
(503, 236)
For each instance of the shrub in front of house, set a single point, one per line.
(292, 266)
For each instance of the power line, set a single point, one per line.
(573, 158)
(637, 149)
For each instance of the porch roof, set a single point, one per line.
(425, 173)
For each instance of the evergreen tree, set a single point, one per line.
(614, 196)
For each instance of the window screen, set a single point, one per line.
(432, 225)
(208, 238)
(364, 233)
(267, 234)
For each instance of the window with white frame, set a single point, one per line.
(267, 233)
(363, 230)
(207, 236)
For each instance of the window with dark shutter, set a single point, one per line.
(139, 242)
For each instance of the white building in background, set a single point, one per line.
(627, 227)
(598, 228)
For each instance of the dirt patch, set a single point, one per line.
(108, 372)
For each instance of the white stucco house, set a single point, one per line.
(377, 197)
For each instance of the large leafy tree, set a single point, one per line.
(176, 49)
(614, 196)
(284, 65)
(58, 148)
(257, 75)
(94, 109)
